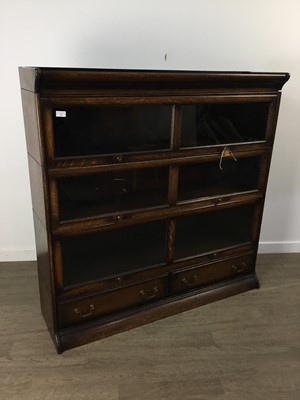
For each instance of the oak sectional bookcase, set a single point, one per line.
(147, 189)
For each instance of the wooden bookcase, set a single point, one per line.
(147, 189)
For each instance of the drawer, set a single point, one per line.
(211, 273)
(84, 309)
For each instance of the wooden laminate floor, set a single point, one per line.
(244, 347)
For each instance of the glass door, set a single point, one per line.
(97, 194)
(217, 124)
(214, 178)
(99, 130)
(102, 255)
(201, 233)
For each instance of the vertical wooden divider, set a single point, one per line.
(58, 265)
(257, 220)
(272, 120)
(53, 196)
(176, 127)
(49, 134)
(173, 179)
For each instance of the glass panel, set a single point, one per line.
(201, 233)
(213, 124)
(104, 254)
(207, 179)
(90, 195)
(80, 131)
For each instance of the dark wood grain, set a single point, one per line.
(32, 127)
(40, 204)
(116, 281)
(37, 188)
(131, 218)
(176, 127)
(88, 165)
(30, 78)
(173, 184)
(75, 80)
(46, 280)
(90, 332)
(191, 278)
(108, 299)
(171, 240)
(273, 117)
(88, 308)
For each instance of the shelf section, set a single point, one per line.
(116, 221)
(197, 234)
(74, 167)
(110, 192)
(214, 124)
(105, 254)
(215, 178)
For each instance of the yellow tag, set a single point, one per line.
(226, 153)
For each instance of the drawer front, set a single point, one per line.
(211, 273)
(81, 310)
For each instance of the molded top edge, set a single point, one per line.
(42, 79)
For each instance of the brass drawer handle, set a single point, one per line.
(118, 218)
(239, 268)
(150, 294)
(190, 282)
(88, 314)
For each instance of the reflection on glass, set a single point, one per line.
(91, 195)
(197, 234)
(105, 254)
(80, 131)
(213, 124)
(208, 179)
